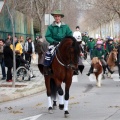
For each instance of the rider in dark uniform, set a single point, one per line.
(109, 46)
(118, 56)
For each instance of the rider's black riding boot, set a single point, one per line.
(46, 70)
(76, 72)
(104, 69)
(109, 69)
(90, 71)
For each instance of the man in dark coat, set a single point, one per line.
(8, 59)
(2, 59)
(118, 59)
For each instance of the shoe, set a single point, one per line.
(112, 72)
(33, 76)
(9, 81)
(76, 72)
(3, 78)
(88, 74)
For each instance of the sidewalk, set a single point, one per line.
(23, 88)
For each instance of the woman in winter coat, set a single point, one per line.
(29, 49)
(8, 59)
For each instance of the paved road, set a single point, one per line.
(87, 102)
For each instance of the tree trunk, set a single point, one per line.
(100, 31)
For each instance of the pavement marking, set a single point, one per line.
(85, 62)
(75, 78)
(115, 77)
(92, 78)
(32, 117)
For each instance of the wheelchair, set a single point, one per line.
(23, 71)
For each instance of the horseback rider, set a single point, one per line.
(78, 37)
(91, 45)
(109, 46)
(77, 34)
(99, 52)
(54, 34)
(118, 58)
(85, 37)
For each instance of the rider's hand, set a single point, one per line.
(55, 43)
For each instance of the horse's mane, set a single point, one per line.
(110, 60)
(74, 44)
(95, 60)
(67, 43)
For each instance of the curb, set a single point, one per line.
(26, 91)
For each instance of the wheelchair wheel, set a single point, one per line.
(22, 74)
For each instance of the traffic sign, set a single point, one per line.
(1, 4)
(48, 19)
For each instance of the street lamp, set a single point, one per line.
(60, 7)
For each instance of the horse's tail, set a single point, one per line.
(53, 88)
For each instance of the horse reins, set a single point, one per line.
(62, 63)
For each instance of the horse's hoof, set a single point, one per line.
(103, 77)
(66, 114)
(54, 105)
(50, 110)
(61, 107)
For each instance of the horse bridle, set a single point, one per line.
(70, 65)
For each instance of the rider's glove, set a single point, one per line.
(55, 43)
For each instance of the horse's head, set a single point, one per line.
(96, 67)
(96, 64)
(114, 55)
(69, 52)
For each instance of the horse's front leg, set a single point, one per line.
(48, 90)
(61, 99)
(99, 79)
(67, 86)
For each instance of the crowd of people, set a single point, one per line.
(23, 53)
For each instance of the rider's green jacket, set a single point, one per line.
(56, 33)
(85, 38)
(91, 44)
(99, 53)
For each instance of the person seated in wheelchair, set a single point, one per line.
(18, 52)
(99, 52)
(19, 60)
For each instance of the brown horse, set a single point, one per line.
(63, 65)
(112, 58)
(97, 70)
